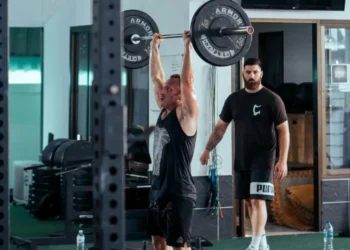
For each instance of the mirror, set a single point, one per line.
(51, 74)
(48, 208)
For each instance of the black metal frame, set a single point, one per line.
(317, 174)
(109, 126)
(4, 131)
(74, 91)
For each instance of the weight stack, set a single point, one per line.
(82, 198)
(44, 193)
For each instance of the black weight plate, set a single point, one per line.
(38, 192)
(83, 174)
(208, 20)
(35, 199)
(83, 195)
(44, 171)
(46, 185)
(82, 208)
(137, 23)
(45, 180)
(80, 201)
(83, 202)
(47, 176)
(82, 182)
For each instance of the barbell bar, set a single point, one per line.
(221, 34)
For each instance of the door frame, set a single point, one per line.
(74, 84)
(322, 74)
(319, 129)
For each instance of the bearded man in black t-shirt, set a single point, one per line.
(257, 113)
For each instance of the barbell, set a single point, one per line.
(221, 34)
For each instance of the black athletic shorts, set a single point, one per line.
(171, 219)
(254, 184)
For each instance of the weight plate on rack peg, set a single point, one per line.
(205, 25)
(137, 23)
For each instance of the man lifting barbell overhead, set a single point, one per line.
(173, 194)
(256, 113)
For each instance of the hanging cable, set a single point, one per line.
(214, 206)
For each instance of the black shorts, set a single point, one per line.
(171, 219)
(254, 184)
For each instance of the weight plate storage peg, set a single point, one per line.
(137, 23)
(213, 17)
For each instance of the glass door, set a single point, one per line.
(335, 39)
(81, 81)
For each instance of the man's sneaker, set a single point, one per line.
(267, 248)
(251, 248)
(263, 243)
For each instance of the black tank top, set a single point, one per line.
(172, 155)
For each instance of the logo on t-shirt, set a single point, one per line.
(180, 240)
(161, 138)
(256, 109)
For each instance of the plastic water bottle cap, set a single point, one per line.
(80, 231)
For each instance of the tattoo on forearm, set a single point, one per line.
(215, 137)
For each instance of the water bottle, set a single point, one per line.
(80, 240)
(328, 236)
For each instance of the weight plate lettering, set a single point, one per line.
(205, 25)
(137, 23)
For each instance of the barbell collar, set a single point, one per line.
(234, 31)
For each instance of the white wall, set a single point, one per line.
(25, 13)
(170, 16)
(297, 49)
(82, 12)
(57, 24)
(201, 71)
(58, 21)
(33, 13)
(57, 71)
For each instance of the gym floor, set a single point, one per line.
(298, 242)
(22, 225)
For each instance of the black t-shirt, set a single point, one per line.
(255, 117)
(172, 155)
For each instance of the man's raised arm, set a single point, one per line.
(189, 102)
(157, 72)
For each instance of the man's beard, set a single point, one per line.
(251, 84)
